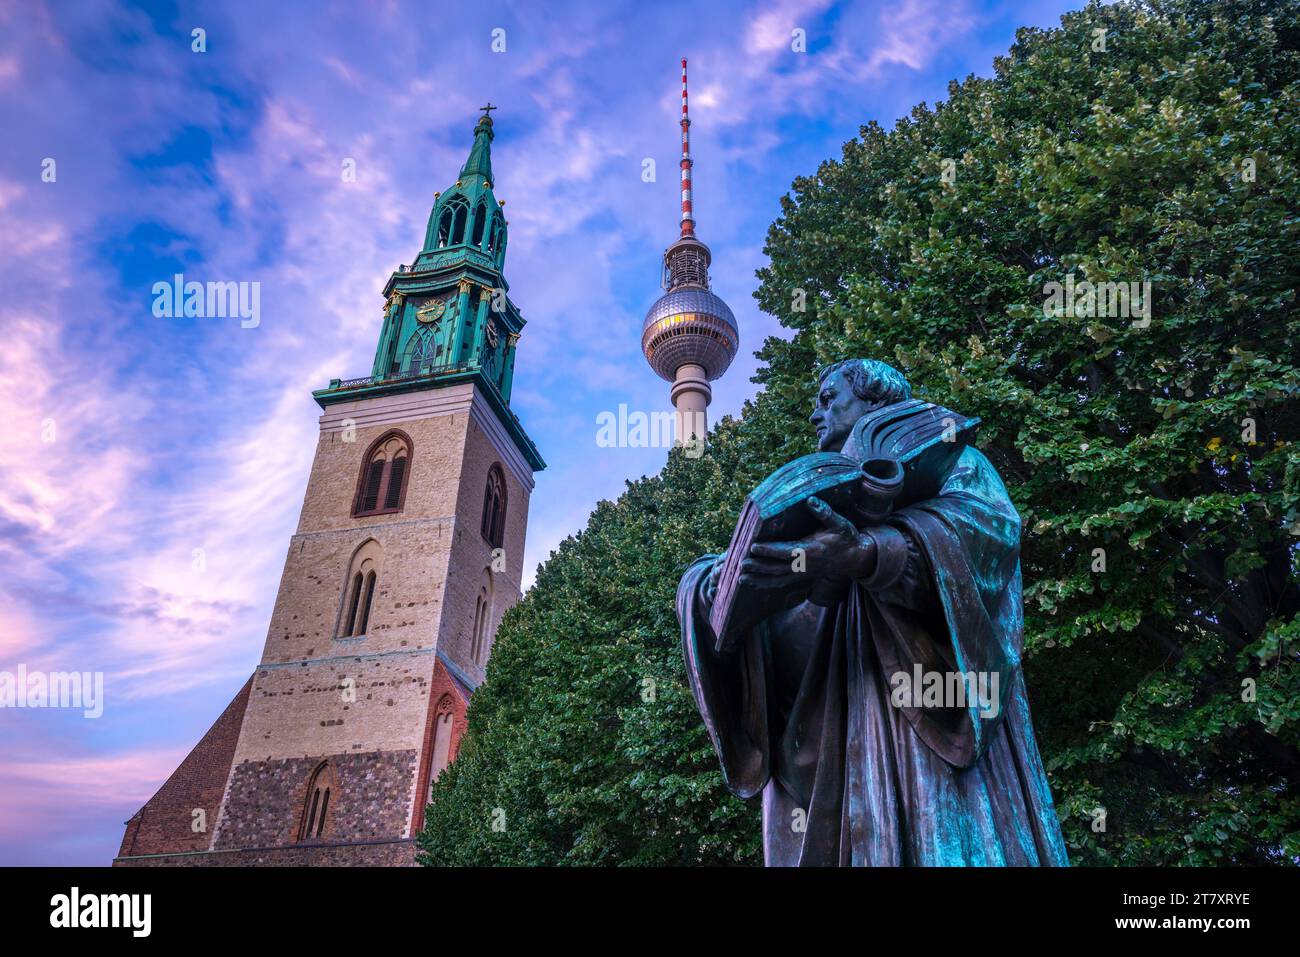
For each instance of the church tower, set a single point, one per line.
(408, 551)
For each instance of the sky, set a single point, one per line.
(152, 468)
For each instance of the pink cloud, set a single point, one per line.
(64, 798)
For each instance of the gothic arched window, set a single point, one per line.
(499, 239)
(352, 602)
(359, 591)
(458, 224)
(384, 471)
(424, 352)
(442, 725)
(315, 812)
(493, 523)
(480, 221)
(444, 227)
(421, 353)
(478, 645)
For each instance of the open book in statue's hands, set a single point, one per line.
(895, 456)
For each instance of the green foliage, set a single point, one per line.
(585, 735)
(1123, 165)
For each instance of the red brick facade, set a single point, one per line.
(167, 821)
(376, 854)
(443, 688)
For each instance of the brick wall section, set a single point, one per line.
(416, 543)
(165, 823)
(266, 799)
(384, 854)
(408, 590)
(471, 554)
(442, 686)
(434, 553)
(358, 703)
(434, 472)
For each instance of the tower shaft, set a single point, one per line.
(691, 395)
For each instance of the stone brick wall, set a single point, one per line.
(359, 708)
(415, 544)
(357, 703)
(408, 591)
(437, 434)
(471, 553)
(377, 854)
(166, 822)
(266, 799)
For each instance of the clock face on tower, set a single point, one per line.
(431, 310)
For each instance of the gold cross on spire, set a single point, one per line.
(487, 110)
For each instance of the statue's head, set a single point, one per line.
(846, 391)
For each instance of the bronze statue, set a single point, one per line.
(880, 710)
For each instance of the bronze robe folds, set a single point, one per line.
(802, 711)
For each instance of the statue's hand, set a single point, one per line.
(711, 585)
(836, 552)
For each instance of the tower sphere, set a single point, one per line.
(689, 324)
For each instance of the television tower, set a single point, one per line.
(690, 336)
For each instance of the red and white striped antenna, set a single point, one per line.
(688, 219)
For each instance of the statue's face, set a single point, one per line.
(836, 411)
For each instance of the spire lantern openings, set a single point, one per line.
(468, 214)
(448, 313)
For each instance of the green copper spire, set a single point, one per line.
(480, 155)
(448, 317)
(468, 214)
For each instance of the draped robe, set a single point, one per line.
(800, 710)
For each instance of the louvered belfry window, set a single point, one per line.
(385, 471)
(370, 500)
(397, 472)
(493, 523)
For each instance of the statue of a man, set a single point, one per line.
(892, 727)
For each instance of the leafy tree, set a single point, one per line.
(584, 746)
(1153, 462)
